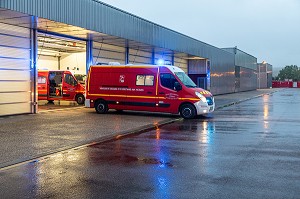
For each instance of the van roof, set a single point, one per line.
(170, 67)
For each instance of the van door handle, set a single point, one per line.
(149, 92)
(161, 93)
(65, 87)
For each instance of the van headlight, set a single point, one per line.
(202, 98)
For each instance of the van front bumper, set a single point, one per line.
(204, 108)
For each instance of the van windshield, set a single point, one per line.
(185, 79)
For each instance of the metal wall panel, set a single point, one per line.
(15, 78)
(139, 57)
(197, 66)
(7, 40)
(243, 59)
(20, 64)
(264, 71)
(262, 80)
(14, 31)
(104, 53)
(181, 63)
(248, 79)
(222, 72)
(269, 80)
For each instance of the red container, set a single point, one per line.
(275, 84)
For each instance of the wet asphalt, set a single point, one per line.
(247, 150)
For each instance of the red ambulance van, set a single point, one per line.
(59, 85)
(146, 88)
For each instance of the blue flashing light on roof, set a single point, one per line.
(160, 62)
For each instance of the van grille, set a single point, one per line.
(210, 100)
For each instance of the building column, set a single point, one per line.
(172, 59)
(33, 64)
(126, 52)
(89, 53)
(153, 57)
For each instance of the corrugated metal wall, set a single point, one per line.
(248, 79)
(15, 78)
(198, 66)
(246, 66)
(104, 53)
(182, 63)
(96, 16)
(222, 72)
(243, 59)
(139, 57)
(264, 79)
(100, 17)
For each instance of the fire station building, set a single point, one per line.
(75, 34)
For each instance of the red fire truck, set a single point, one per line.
(146, 88)
(59, 85)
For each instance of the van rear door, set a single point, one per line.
(42, 86)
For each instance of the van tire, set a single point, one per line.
(101, 106)
(187, 111)
(80, 99)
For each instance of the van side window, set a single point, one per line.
(41, 80)
(144, 80)
(69, 79)
(167, 80)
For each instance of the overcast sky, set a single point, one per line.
(266, 29)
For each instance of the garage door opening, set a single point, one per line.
(61, 64)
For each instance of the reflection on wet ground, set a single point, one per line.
(44, 105)
(249, 150)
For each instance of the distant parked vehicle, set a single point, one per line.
(80, 78)
(59, 85)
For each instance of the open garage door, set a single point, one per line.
(15, 78)
(61, 64)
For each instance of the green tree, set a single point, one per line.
(289, 72)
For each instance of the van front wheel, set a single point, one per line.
(187, 111)
(101, 107)
(80, 99)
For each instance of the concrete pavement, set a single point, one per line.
(27, 137)
(249, 150)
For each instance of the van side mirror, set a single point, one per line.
(177, 86)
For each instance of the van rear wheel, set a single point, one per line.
(80, 99)
(101, 107)
(187, 111)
